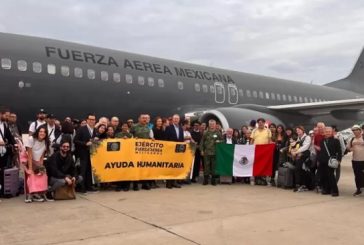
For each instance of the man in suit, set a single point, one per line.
(7, 145)
(228, 137)
(83, 142)
(174, 132)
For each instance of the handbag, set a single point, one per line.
(66, 192)
(37, 183)
(333, 162)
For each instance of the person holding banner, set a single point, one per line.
(209, 139)
(174, 132)
(142, 131)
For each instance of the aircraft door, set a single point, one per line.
(233, 94)
(219, 92)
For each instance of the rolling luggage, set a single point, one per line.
(11, 182)
(285, 178)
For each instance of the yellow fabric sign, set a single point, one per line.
(140, 159)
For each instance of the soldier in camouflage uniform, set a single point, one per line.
(141, 131)
(124, 134)
(208, 142)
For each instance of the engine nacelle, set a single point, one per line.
(231, 117)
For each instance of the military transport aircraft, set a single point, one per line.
(69, 79)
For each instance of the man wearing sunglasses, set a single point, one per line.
(62, 170)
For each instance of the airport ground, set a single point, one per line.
(195, 214)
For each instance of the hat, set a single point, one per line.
(51, 116)
(41, 111)
(311, 132)
(355, 127)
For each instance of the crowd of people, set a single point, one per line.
(60, 149)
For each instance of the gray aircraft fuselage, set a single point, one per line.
(69, 79)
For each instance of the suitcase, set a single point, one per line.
(11, 182)
(285, 178)
(226, 180)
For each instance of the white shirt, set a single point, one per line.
(38, 148)
(229, 140)
(306, 143)
(177, 130)
(2, 148)
(187, 134)
(32, 126)
(51, 135)
(90, 130)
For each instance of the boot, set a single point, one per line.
(205, 180)
(213, 180)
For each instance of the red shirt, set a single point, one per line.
(318, 139)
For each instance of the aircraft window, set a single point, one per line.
(180, 85)
(51, 69)
(219, 90)
(78, 72)
(37, 67)
(289, 98)
(6, 64)
(295, 99)
(300, 99)
(267, 95)
(261, 95)
(248, 93)
(91, 74)
(284, 97)
(241, 92)
(128, 78)
(198, 87)
(205, 89)
(279, 97)
(141, 80)
(255, 94)
(212, 89)
(104, 75)
(306, 100)
(273, 96)
(160, 83)
(150, 81)
(65, 71)
(22, 65)
(116, 77)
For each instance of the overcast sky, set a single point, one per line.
(302, 40)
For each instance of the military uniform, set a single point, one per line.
(140, 131)
(124, 135)
(208, 143)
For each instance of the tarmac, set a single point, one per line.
(195, 214)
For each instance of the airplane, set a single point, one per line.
(69, 79)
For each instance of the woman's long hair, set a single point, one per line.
(46, 139)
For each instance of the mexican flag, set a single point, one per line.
(244, 160)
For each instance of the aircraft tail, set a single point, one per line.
(355, 81)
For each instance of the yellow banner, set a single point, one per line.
(140, 159)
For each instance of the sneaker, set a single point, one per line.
(48, 197)
(357, 193)
(28, 199)
(37, 198)
(302, 189)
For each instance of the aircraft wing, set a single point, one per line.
(321, 108)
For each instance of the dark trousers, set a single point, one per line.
(328, 179)
(85, 168)
(358, 167)
(196, 164)
(299, 174)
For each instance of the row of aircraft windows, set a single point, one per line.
(22, 65)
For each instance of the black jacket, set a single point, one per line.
(234, 140)
(196, 136)
(59, 167)
(82, 137)
(159, 134)
(171, 134)
(9, 141)
(333, 145)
